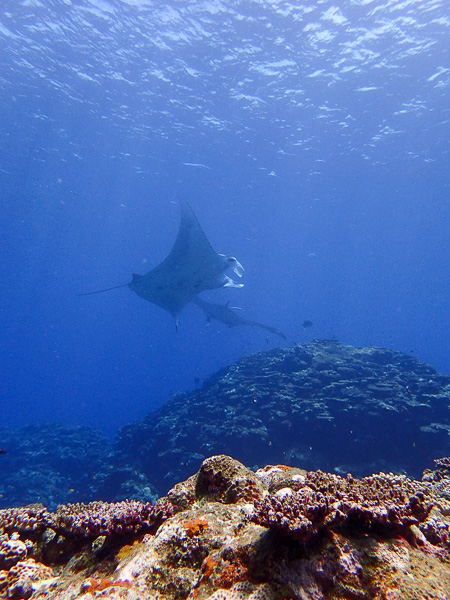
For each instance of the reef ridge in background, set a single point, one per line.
(321, 405)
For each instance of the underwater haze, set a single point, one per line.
(311, 139)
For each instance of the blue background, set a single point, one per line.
(310, 140)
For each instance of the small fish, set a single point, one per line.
(307, 324)
(3, 451)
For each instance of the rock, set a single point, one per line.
(384, 536)
(226, 480)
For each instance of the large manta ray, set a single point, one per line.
(191, 267)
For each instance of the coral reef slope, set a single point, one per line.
(318, 405)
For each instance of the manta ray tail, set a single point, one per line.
(105, 290)
(271, 329)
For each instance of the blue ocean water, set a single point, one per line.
(310, 138)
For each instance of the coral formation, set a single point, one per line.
(292, 534)
(380, 503)
(57, 464)
(87, 520)
(12, 550)
(318, 405)
(102, 518)
(26, 577)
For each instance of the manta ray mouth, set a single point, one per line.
(234, 265)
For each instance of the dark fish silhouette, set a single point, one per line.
(191, 267)
(307, 324)
(221, 312)
(3, 451)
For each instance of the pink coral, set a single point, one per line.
(103, 518)
(87, 520)
(26, 576)
(327, 501)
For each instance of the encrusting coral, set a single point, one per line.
(87, 520)
(387, 503)
(228, 533)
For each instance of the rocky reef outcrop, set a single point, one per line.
(228, 533)
(55, 464)
(318, 405)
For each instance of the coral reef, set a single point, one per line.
(87, 520)
(319, 405)
(380, 503)
(228, 533)
(55, 464)
(441, 470)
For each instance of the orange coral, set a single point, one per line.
(103, 584)
(195, 526)
(231, 574)
(208, 567)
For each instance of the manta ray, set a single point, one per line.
(224, 314)
(191, 267)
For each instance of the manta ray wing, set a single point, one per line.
(192, 266)
(191, 246)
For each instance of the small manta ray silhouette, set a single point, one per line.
(191, 267)
(224, 314)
